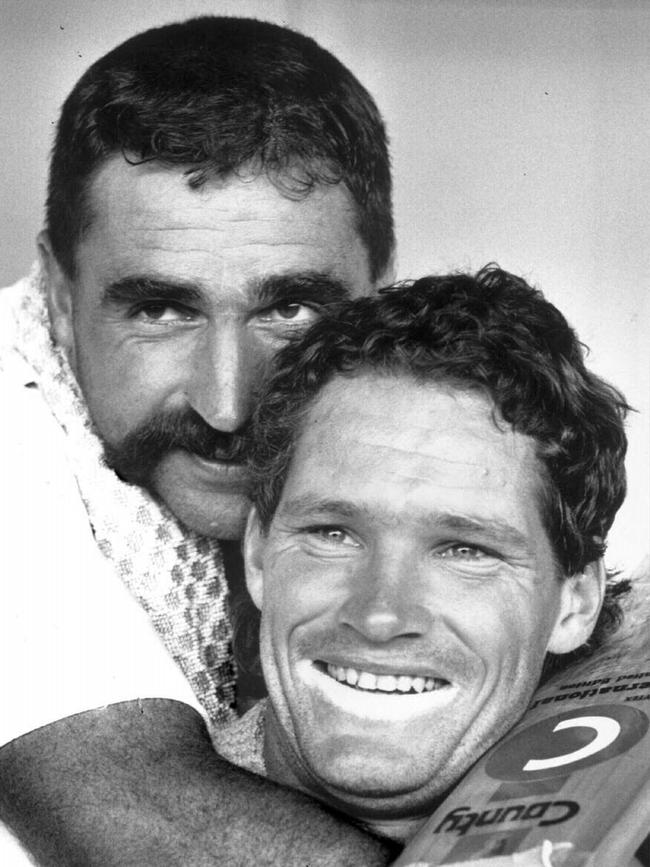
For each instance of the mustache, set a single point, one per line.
(136, 457)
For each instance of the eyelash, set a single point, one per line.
(321, 530)
(476, 553)
(162, 305)
(313, 306)
(187, 312)
(475, 549)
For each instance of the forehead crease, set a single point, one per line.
(255, 227)
(427, 457)
(144, 209)
(426, 435)
(283, 248)
(235, 203)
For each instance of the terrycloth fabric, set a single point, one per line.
(242, 741)
(176, 575)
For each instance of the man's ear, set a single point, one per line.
(254, 540)
(581, 601)
(59, 295)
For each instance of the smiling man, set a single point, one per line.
(436, 473)
(214, 186)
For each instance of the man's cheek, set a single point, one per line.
(299, 580)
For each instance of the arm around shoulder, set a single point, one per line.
(139, 783)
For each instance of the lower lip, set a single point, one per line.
(373, 706)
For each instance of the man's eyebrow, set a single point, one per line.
(465, 526)
(306, 504)
(129, 290)
(314, 286)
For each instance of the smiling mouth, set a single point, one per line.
(375, 698)
(366, 681)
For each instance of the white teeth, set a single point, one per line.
(383, 682)
(387, 683)
(404, 683)
(367, 681)
(352, 676)
(418, 684)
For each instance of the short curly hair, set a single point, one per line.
(493, 333)
(215, 96)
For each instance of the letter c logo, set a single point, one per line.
(567, 742)
(606, 728)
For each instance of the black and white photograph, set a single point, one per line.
(325, 445)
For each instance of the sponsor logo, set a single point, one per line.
(564, 743)
(460, 820)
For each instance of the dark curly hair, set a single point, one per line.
(493, 333)
(214, 95)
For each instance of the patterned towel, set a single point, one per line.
(176, 575)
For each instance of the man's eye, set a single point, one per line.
(291, 312)
(460, 551)
(333, 536)
(161, 312)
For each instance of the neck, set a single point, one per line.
(285, 768)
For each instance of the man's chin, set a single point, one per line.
(378, 792)
(211, 507)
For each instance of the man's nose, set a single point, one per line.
(384, 600)
(226, 365)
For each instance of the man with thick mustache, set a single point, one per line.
(436, 472)
(214, 186)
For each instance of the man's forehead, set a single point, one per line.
(419, 441)
(438, 410)
(148, 217)
(149, 187)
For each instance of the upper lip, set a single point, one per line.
(381, 666)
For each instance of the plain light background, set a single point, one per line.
(520, 134)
